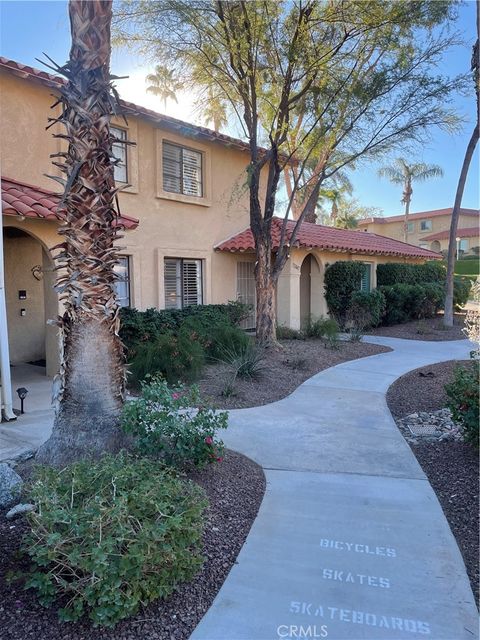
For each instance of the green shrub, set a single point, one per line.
(225, 338)
(463, 400)
(461, 291)
(322, 328)
(247, 361)
(141, 326)
(406, 302)
(342, 280)
(111, 536)
(393, 273)
(366, 309)
(285, 333)
(165, 424)
(174, 357)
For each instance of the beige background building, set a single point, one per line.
(186, 195)
(430, 229)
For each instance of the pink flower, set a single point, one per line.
(175, 396)
(219, 459)
(209, 440)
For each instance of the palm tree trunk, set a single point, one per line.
(408, 197)
(92, 368)
(452, 244)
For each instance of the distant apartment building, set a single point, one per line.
(430, 229)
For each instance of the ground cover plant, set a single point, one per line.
(463, 400)
(109, 536)
(234, 489)
(164, 426)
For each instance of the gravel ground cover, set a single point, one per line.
(428, 329)
(285, 367)
(452, 467)
(235, 489)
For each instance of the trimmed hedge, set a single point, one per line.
(406, 302)
(342, 280)
(393, 273)
(366, 309)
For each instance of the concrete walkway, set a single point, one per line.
(31, 429)
(350, 542)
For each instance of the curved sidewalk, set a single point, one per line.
(350, 542)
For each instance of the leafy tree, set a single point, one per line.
(214, 110)
(163, 84)
(91, 370)
(472, 143)
(316, 87)
(400, 172)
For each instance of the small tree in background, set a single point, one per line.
(401, 172)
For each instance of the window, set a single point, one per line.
(182, 170)
(246, 291)
(365, 282)
(410, 227)
(119, 150)
(425, 225)
(463, 245)
(183, 282)
(122, 283)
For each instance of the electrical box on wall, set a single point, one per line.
(23, 312)
(22, 294)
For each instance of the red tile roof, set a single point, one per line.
(420, 215)
(128, 108)
(330, 239)
(28, 201)
(470, 232)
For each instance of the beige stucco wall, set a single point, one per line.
(439, 223)
(170, 225)
(31, 337)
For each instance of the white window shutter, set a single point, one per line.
(172, 278)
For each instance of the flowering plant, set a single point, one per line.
(166, 423)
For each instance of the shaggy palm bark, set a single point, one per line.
(91, 378)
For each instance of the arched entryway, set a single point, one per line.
(436, 246)
(30, 299)
(311, 294)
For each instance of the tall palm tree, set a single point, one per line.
(400, 172)
(90, 393)
(215, 110)
(163, 84)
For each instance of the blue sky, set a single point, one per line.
(31, 27)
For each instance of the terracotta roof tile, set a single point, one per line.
(470, 232)
(475, 213)
(329, 239)
(26, 200)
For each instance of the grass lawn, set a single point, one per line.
(468, 268)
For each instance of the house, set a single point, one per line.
(184, 209)
(430, 229)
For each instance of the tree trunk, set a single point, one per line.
(265, 283)
(452, 244)
(408, 195)
(86, 423)
(92, 367)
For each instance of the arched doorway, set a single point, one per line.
(31, 300)
(312, 300)
(436, 246)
